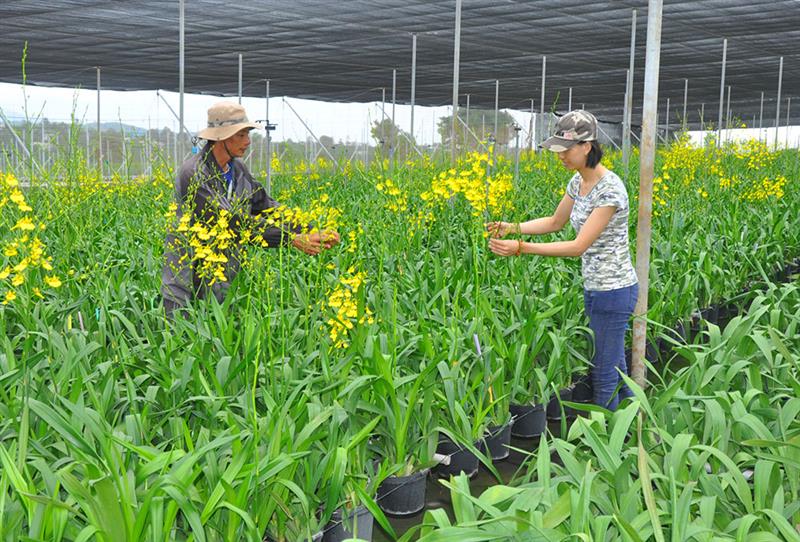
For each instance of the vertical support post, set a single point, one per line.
(541, 99)
(99, 134)
(778, 101)
(456, 63)
(149, 147)
(627, 121)
(761, 113)
(41, 147)
(516, 148)
(240, 78)
(666, 124)
(393, 142)
(646, 170)
(703, 116)
(685, 99)
(722, 91)
(530, 129)
(625, 151)
(268, 137)
(496, 105)
(413, 81)
(569, 101)
(181, 64)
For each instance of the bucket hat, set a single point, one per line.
(225, 119)
(574, 127)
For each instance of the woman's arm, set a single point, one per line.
(591, 230)
(539, 226)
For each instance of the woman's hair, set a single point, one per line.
(595, 155)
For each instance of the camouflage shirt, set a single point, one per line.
(606, 265)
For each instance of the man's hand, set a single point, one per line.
(499, 230)
(313, 243)
(504, 248)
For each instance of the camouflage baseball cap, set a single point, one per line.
(574, 127)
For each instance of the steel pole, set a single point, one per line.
(666, 124)
(541, 99)
(761, 116)
(722, 91)
(646, 170)
(569, 101)
(268, 137)
(685, 99)
(413, 80)
(181, 63)
(530, 129)
(627, 121)
(392, 133)
(99, 133)
(240, 77)
(778, 101)
(496, 105)
(626, 140)
(394, 93)
(456, 62)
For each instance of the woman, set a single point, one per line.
(596, 203)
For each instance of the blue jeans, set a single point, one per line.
(609, 312)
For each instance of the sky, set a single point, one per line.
(342, 121)
(346, 122)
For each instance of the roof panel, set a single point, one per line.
(345, 51)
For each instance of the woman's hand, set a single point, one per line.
(499, 230)
(314, 243)
(505, 248)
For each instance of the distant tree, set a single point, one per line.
(481, 123)
(327, 141)
(388, 133)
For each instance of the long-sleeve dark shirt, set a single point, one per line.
(201, 189)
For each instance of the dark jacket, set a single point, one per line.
(200, 188)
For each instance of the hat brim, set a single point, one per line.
(224, 132)
(558, 144)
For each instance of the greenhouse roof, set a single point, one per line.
(345, 50)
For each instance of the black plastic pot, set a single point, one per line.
(710, 314)
(529, 420)
(498, 439)
(554, 408)
(357, 523)
(403, 495)
(461, 460)
(582, 391)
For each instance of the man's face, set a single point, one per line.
(238, 143)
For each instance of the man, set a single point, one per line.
(215, 191)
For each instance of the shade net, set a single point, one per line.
(346, 50)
